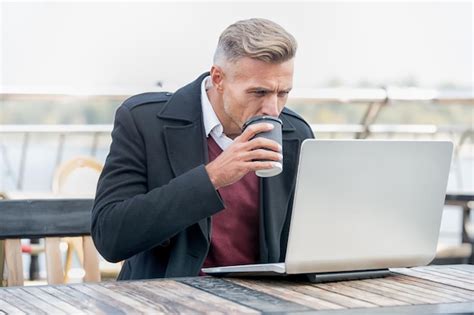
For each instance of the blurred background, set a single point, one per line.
(398, 70)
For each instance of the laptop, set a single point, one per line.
(361, 207)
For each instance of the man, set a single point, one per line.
(179, 190)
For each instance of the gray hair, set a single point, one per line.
(259, 39)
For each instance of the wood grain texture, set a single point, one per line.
(44, 218)
(204, 295)
(327, 295)
(14, 297)
(457, 272)
(161, 301)
(461, 278)
(54, 267)
(51, 298)
(428, 291)
(47, 307)
(421, 273)
(407, 297)
(90, 260)
(13, 262)
(192, 297)
(450, 290)
(114, 299)
(254, 299)
(7, 306)
(88, 304)
(429, 296)
(289, 295)
(74, 245)
(373, 298)
(467, 268)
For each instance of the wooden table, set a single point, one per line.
(431, 289)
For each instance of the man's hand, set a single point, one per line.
(241, 157)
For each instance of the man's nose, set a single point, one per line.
(270, 107)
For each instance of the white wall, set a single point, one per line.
(128, 46)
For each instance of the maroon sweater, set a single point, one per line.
(235, 230)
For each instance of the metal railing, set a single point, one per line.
(376, 98)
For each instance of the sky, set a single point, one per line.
(115, 47)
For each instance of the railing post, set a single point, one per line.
(59, 153)
(370, 116)
(24, 149)
(95, 144)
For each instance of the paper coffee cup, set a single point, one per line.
(274, 134)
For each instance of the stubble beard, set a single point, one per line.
(236, 128)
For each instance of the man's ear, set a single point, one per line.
(217, 77)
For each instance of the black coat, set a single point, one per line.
(154, 199)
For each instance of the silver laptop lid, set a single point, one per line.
(367, 204)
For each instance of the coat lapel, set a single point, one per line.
(184, 133)
(185, 147)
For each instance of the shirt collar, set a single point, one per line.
(211, 122)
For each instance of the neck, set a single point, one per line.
(231, 129)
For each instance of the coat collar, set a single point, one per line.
(185, 104)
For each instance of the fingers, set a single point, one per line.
(265, 143)
(244, 156)
(252, 130)
(263, 155)
(257, 165)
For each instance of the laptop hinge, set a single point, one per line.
(349, 275)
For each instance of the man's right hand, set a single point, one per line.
(242, 156)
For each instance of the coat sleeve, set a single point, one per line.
(126, 217)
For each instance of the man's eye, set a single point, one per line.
(260, 93)
(283, 94)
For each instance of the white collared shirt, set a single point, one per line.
(212, 125)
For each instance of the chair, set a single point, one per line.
(49, 219)
(453, 254)
(462, 253)
(78, 177)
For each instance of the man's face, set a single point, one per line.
(250, 87)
